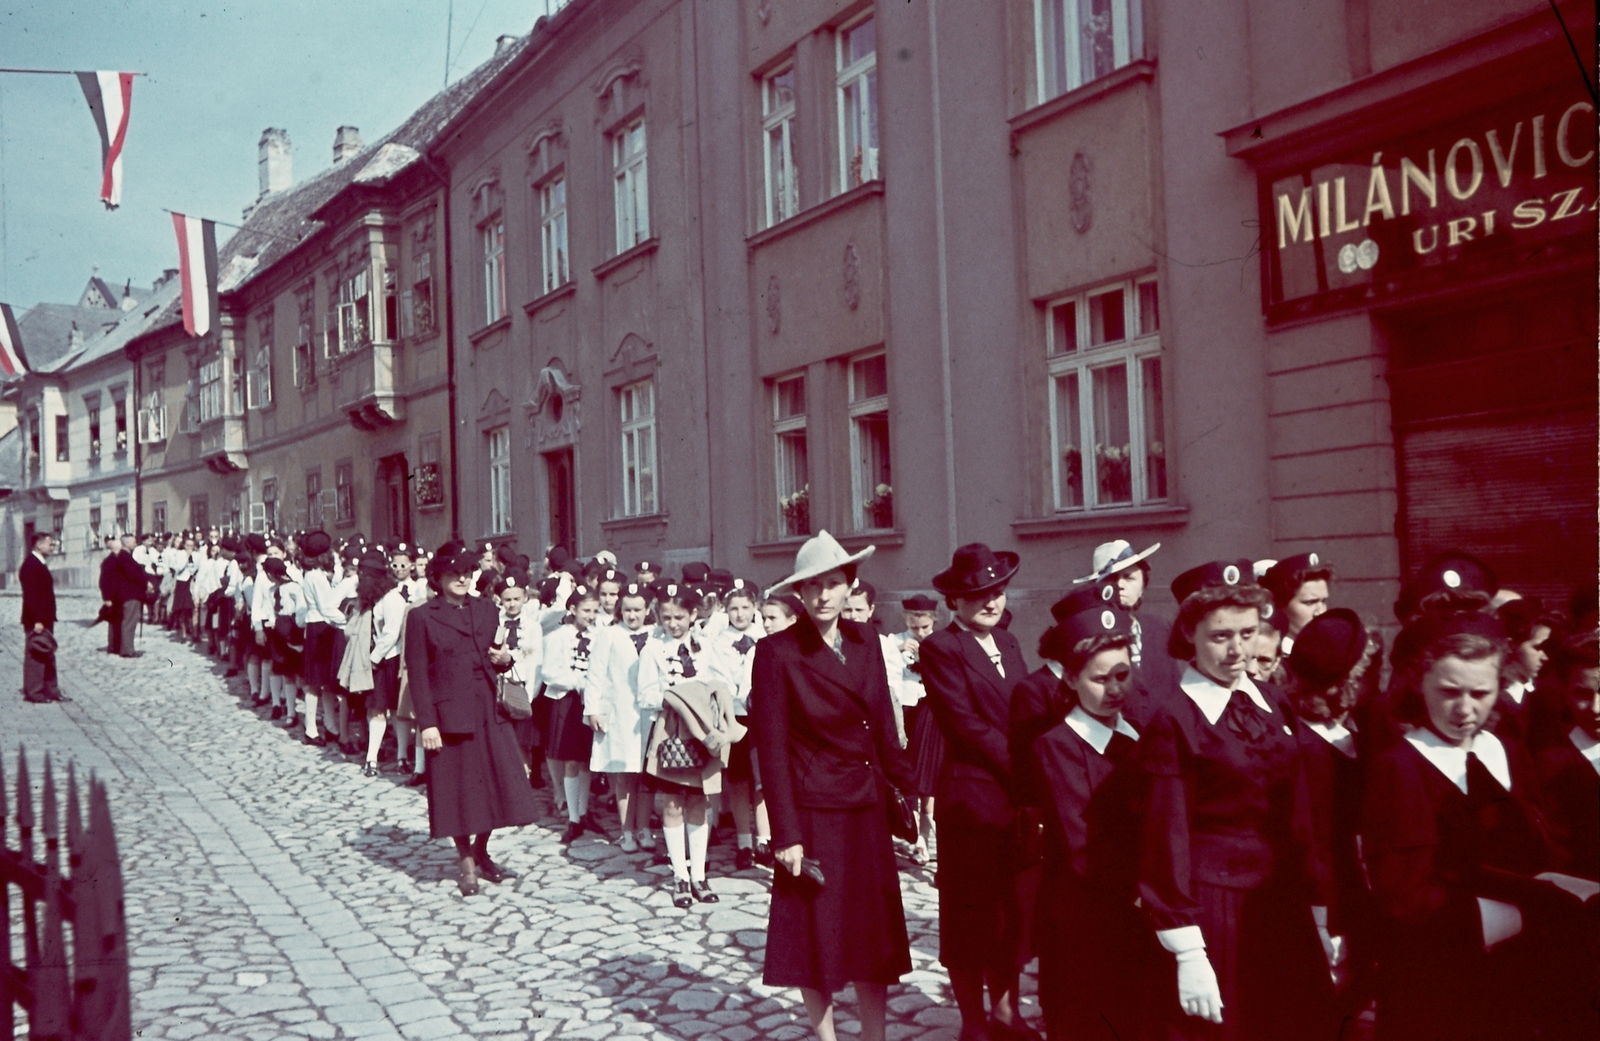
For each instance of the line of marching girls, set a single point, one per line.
(1228, 825)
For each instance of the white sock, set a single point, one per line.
(311, 714)
(673, 833)
(275, 688)
(375, 728)
(744, 840)
(573, 786)
(252, 676)
(583, 792)
(420, 764)
(699, 838)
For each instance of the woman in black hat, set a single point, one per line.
(1299, 588)
(828, 751)
(1095, 952)
(1230, 875)
(969, 670)
(476, 781)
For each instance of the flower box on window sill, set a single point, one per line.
(1080, 522)
(477, 338)
(560, 292)
(643, 249)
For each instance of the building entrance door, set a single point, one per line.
(391, 506)
(561, 501)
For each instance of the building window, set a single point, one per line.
(269, 503)
(858, 104)
(632, 185)
(236, 382)
(349, 323)
(158, 517)
(152, 420)
(235, 512)
(121, 514)
(777, 130)
(94, 429)
(638, 409)
(553, 233)
(391, 306)
(304, 356)
(492, 237)
(1106, 411)
(95, 521)
(119, 412)
(344, 487)
(416, 303)
(1082, 40)
(63, 440)
(258, 385)
(58, 525)
(871, 483)
(499, 480)
(789, 439)
(314, 497)
(430, 479)
(35, 450)
(189, 418)
(211, 389)
(199, 513)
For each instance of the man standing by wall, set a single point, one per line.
(130, 581)
(39, 622)
(111, 607)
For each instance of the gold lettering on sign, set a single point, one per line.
(1416, 239)
(1488, 222)
(1378, 200)
(1411, 174)
(1322, 210)
(1529, 213)
(1538, 147)
(1343, 225)
(1561, 137)
(1461, 230)
(1450, 169)
(1294, 223)
(1503, 161)
(1569, 204)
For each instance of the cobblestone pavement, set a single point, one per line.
(274, 892)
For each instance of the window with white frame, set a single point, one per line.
(1107, 434)
(871, 482)
(858, 103)
(637, 403)
(789, 440)
(499, 480)
(350, 320)
(630, 169)
(211, 389)
(492, 240)
(553, 233)
(777, 130)
(258, 385)
(1081, 40)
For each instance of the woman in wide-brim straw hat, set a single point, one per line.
(829, 752)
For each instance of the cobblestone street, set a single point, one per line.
(272, 891)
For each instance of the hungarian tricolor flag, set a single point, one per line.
(197, 268)
(110, 96)
(12, 361)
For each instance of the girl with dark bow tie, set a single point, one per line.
(611, 707)
(829, 753)
(476, 781)
(569, 742)
(737, 643)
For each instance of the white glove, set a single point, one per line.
(1332, 946)
(1198, 992)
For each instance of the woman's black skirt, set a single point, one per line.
(286, 658)
(385, 692)
(476, 782)
(927, 748)
(741, 766)
(182, 599)
(854, 929)
(322, 655)
(569, 738)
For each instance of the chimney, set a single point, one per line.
(167, 275)
(275, 167)
(346, 143)
(504, 43)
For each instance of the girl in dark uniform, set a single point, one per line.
(1227, 876)
(1095, 952)
(475, 776)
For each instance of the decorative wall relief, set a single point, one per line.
(773, 311)
(1082, 207)
(852, 276)
(554, 413)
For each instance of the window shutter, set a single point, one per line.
(258, 517)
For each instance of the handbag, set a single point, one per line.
(676, 752)
(513, 699)
(902, 816)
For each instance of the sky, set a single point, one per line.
(219, 73)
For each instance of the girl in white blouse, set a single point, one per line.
(570, 743)
(611, 708)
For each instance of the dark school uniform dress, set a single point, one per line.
(1227, 848)
(568, 738)
(741, 767)
(826, 740)
(476, 781)
(1571, 785)
(984, 903)
(1427, 838)
(1157, 673)
(1096, 952)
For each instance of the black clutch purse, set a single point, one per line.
(902, 816)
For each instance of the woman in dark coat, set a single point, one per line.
(969, 670)
(476, 781)
(1230, 875)
(829, 752)
(1095, 952)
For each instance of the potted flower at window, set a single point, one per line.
(430, 491)
(797, 511)
(880, 508)
(1114, 465)
(1073, 460)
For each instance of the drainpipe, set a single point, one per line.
(131, 407)
(448, 301)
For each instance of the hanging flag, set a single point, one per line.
(110, 96)
(197, 267)
(12, 360)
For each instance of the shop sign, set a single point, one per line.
(1465, 201)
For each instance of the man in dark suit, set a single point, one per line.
(970, 670)
(129, 583)
(111, 608)
(39, 623)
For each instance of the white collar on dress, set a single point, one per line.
(1286, 645)
(1451, 761)
(1096, 733)
(1587, 746)
(1516, 690)
(1056, 668)
(1211, 697)
(1336, 734)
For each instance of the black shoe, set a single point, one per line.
(489, 871)
(369, 770)
(277, 712)
(416, 780)
(702, 892)
(660, 856)
(764, 855)
(683, 895)
(58, 696)
(131, 654)
(231, 673)
(745, 859)
(1020, 1031)
(36, 701)
(592, 825)
(319, 741)
(574, 829)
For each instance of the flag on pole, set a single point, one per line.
(110, 96)
(197, 268)
(12, 360)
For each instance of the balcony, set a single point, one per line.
(364, 387)
(222, 443)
